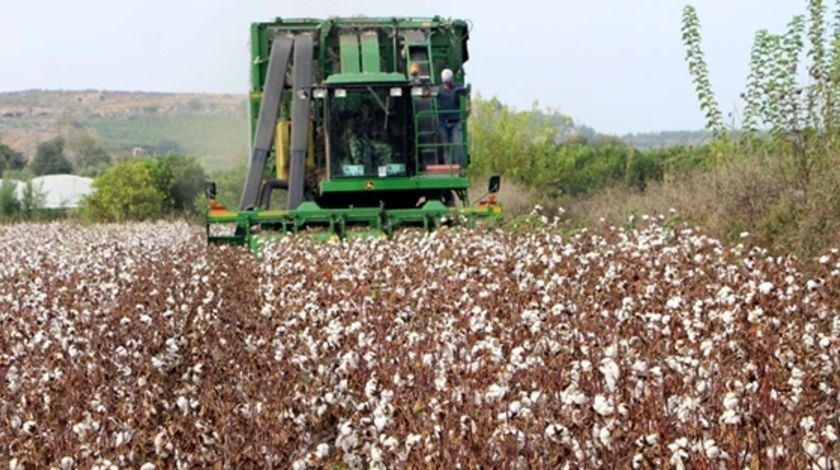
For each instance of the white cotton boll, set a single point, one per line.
(765, 287)
(605, 436)
(375, 454)
(602, 405)
(412, 439)
(807, 423)
(712, 451)
(160, 443)
(755, 314)
(824, 259)
(322, 451)
(774, 452)
(829, 433)
(67, 463)
(183, 403)
(380, 421)
(495, 392)
(812, 448)
(389, 442)
(427, 359)
(674, 302)
(147, 466)
(730, 401)
(730, 417)
(640, 367)
(514, 408)
(610, 371)
(146, 319)
(572, 396)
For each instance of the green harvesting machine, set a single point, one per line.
(346, 124)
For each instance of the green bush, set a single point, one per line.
(91, 158)
(147, 189)
(545, 153)
(10, 159)
(50, 159)
(126, 191)
(181, 180)
(9, 203)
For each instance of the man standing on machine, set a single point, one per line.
(449, 108)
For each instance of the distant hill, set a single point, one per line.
(211, 127)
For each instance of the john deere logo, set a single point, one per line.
(369, 185)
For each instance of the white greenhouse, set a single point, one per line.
(58, 191)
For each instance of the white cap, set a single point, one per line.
(446, 75)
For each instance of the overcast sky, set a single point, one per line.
(616, 65)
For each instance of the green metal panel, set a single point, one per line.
(393, 184)
(357, 78)
(370, 52)
(256, 56)
(349, 50)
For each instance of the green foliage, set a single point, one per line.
(32, 200)
(699, 71)
(126, 191)
(50, 159)
(790, 133)
(181, 180)
(229, 184)
(146, 189)
(10, 159)
(91, 158)
(9, 203)
(526, 147)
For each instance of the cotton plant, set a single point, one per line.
(139, 346)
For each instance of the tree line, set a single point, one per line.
(125, 187)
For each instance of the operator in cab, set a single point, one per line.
(449, 107)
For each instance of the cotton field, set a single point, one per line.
(139, 346)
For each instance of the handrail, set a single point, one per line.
(449, 147)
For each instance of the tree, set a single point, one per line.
(91, 159)
(9, 204)
(32, 200)
(180, 179)
(125, 191)
(10, 159)
(50, 159)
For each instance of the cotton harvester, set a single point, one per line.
(346, 122)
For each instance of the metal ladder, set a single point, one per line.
(423, 107)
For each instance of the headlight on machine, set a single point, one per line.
(340, 93)
(396, 92)
(319, 93)
(417, 91)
